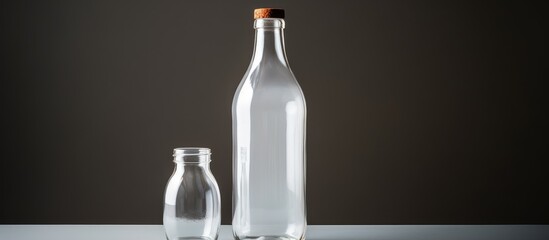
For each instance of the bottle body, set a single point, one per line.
(192, 200)
(269, 119)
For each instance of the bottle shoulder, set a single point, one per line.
(268, 84)
(269, 77)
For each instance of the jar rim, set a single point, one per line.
(191, 151)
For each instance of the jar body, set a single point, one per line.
(192, 203)
(269, 145)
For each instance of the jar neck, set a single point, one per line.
(186, 165)
(192, 159)
(183, 167)
(269, 41)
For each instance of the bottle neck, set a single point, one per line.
(269, 41)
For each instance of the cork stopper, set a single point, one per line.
(268, 13)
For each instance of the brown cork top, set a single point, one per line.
(268, 13)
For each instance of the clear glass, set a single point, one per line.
(269, 143)
(192, 207)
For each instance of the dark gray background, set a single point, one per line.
(419, 112)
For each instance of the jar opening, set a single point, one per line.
(191, 151)
(191, 155)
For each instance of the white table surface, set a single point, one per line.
(318, 232)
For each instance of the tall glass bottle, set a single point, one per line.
(269, 140)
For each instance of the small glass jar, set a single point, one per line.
(192, 207)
